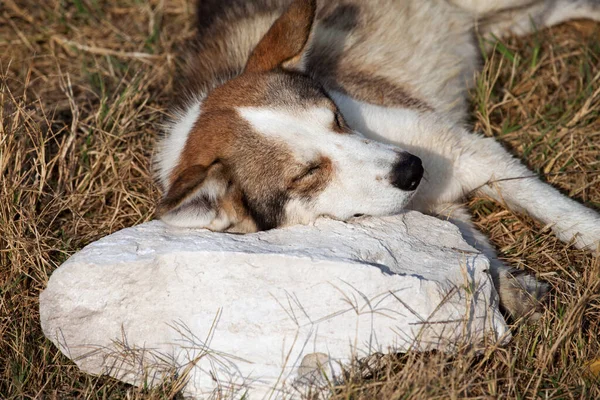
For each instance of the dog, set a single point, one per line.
(292, 110)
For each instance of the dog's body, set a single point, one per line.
(296, 111)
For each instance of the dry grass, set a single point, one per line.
(84, 85)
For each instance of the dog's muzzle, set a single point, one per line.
(407, 172)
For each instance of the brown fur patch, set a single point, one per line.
(210, 137)
(363, 86)
(314, 179)
(286, 39)
(233, 206)
(379, 91)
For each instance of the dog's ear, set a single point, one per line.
(205, 197)
(183, 188)
(285, 43)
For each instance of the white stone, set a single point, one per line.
(240, 312)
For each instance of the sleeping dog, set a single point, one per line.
(298, 109)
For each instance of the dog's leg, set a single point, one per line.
(458, 162)
(521, 17)
(510, 182)
(484, 166)
(519, 292)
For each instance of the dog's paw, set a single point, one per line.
(521, 295)
(585, 234)
(589, 243)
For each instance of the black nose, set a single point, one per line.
(407, 172)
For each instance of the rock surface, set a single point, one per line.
(240, 313)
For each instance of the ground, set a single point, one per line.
(84, 87)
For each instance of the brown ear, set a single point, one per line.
(184, 186)
(205, 197)
(287, 38)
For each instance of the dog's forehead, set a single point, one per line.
(305, 130)
(286, 121)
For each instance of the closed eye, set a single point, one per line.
(309, 171)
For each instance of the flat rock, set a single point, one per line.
(258, 313)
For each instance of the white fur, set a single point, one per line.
(361, 167)
(458, 162)
(170, 147)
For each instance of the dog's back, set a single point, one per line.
(411, 54)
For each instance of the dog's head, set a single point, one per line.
(270, 148)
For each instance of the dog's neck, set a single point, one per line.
(221, 52)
